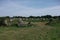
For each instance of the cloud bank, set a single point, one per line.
(11, 8)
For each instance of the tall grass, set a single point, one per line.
(28, 33)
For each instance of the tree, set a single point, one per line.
(59, 17)
(54, 17)
(48, 16)
(38, 16)
(2, 21)
(31, 16)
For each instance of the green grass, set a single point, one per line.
(56, 25)
(28, 33)
(33, 20)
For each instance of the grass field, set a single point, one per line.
(38, 32)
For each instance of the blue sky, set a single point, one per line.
(29, 7)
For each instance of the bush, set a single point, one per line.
(2, 23)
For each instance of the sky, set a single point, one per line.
(29, 7)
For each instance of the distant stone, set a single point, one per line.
(21, 23)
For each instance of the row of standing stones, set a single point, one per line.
(19, 23)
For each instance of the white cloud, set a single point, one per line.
(13, 9)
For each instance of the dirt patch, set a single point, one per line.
(40, 23)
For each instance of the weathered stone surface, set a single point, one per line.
(21, 23)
